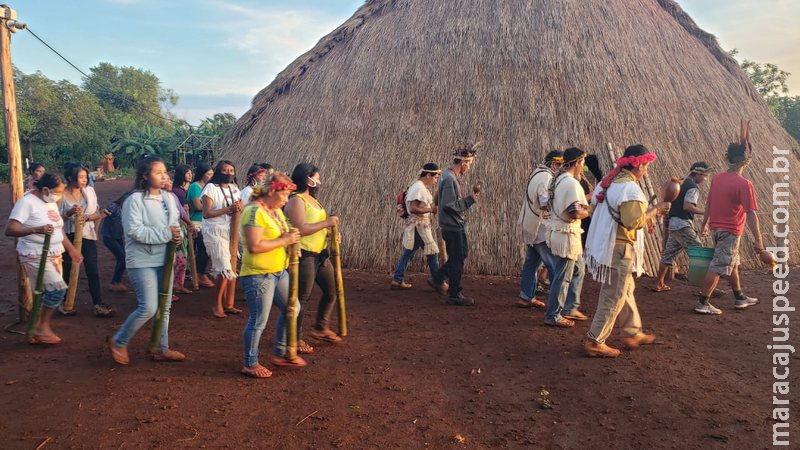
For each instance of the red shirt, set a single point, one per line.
(730, 198)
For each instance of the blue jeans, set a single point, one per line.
(51, 299)
(566, 281)
(407, 256)
(117, 248)
(260, 291)
(146, 282)
(533, 262)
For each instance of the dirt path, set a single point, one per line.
(413, 373)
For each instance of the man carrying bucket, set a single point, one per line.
(681, 217)
(731, 204)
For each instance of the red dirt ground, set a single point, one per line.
(413, 373)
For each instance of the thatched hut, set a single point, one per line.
(404, 82)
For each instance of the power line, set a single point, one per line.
(106, 88)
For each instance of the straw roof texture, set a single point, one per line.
(404, 82)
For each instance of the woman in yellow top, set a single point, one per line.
(307, 214)
(263, 273)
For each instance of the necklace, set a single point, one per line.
(275, 218)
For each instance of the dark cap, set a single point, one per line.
(554, 156)
(700, 167)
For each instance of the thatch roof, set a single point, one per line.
(403, 82)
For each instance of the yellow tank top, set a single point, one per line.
(315, 213)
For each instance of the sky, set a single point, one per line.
(217, 55)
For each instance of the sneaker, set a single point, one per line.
(594, 350)
(746, 302)
(400, 286)
(708, 308)
(460, 301)
(438, 287)
(103, 310)
(66, 312)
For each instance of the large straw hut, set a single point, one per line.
(404, 82)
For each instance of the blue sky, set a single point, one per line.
(217, 55)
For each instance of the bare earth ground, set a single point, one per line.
(413, 373)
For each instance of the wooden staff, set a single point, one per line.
(164, 295)
(193, 259)
(234, 248)
(33, 317)
(336, 257)
(75, 269)
(291, 306)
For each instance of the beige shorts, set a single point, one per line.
(726, 252)
(678, 240)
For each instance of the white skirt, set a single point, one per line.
(218, 247)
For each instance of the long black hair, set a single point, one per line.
(32, 168)
(300, 175)
(180, 174)
(200, 170)
(217, 178)
(71, 171)
(143, 168)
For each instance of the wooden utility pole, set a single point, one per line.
(8, 25)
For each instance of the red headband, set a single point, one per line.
(282, 186)
(625, 161)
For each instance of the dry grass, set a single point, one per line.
(403, 82)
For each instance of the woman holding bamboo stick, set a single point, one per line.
(221, 201)
(307, 214)
(202, 175)
(33, 217)
(264, 277)
(79, 198)
(150, 222)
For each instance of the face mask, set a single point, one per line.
(51, 198)
(228, 178)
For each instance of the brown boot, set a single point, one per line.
(594, 350)
(638, 339)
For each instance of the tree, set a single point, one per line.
(217, 125)
(39, 110)
(771, 82)
(135, 144)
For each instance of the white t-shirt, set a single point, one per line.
(220, 198)
(419, 192)
(32, 212)
(246, 193)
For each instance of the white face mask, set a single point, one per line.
(51, 198)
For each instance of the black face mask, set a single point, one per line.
(228, 179)
(313, 191)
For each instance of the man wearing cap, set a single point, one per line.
(681, 216)
(532, 219)
(417, 232)
(568, 205)
(453, 205)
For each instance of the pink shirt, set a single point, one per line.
(730, 198)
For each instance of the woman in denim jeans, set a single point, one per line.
(150, 221)
(263, 273)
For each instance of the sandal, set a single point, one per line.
(183, 290)
(533, 303)
(303, 348)
(284, 362)
(175, 298)
(664, 288)
(118, 354)
(43, 339)
(218, 315)
(233, 311)
(562, 322)
(325, 335)
(257, 371)
(168, 356)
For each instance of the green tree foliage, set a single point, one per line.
(217, 125)
(772, 83)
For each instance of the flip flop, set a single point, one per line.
(234, 311)
(218, 315)
(326, 335)
(38, 339)
(258, 371)
(662, 289)
(283, 362)
(303, 348)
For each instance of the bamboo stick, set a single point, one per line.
(234, 249)
(193, 259)
(75, 269)
(291, 307)
(164, 295)
(33, 316)
(336, 257)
